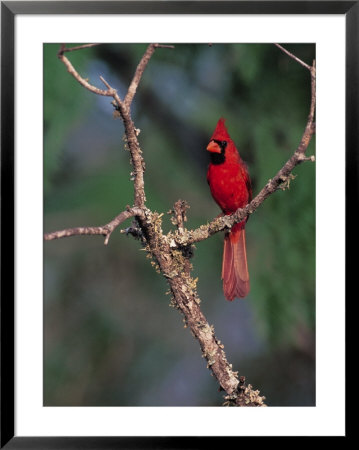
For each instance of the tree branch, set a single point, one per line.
(83, 81)
(64, 49)
(104, 230)
(139, 71)
(293, 57)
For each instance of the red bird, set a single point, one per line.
(230, 186)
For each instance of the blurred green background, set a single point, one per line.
(110, 336)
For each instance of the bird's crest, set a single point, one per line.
(221, 133)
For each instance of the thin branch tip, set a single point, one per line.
(64, 49)
(164, 46)
(302, 63)
(111, 90)
(104, 230)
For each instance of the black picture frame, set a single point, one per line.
(9, 9)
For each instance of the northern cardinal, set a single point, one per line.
(230, 186)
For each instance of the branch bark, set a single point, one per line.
(171, 253)
(104, 230)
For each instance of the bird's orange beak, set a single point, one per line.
(213, 147)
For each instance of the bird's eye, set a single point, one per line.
(222, 144)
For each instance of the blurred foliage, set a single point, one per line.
(110, 337)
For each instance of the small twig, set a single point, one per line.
(179, 214)
(293, 57)
(164, 46)
(83, 81)
(106, 84)
(78, 47)
(104, 230)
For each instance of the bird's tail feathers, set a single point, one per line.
(235, 274)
